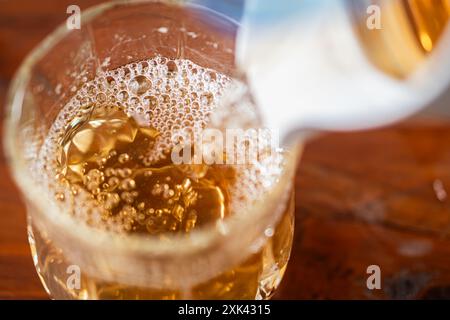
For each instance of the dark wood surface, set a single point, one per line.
(376, 197)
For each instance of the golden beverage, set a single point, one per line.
(107, 161)
(410, 30)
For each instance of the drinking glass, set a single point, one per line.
(243, 257)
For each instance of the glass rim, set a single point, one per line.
(195, 241)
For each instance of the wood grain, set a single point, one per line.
(361, 199)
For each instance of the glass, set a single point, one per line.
(411, 31)
(243, 257)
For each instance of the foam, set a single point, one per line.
(167, 95)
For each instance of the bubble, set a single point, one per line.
(127, 184)
(101, 97)
(140, 110)
(91, 90)
(126, 73)
(161, 60)
(109, 200)
(94, 177)
(134, 101)
(143, 66)
(124, 157)
(172, 66)
(111, 82)
(148, 173)
(212, 76)
(125, 172)
(150, 101)
(122, 96)
(140, 85)
(113, 181)
(165, 98)
(60, 196)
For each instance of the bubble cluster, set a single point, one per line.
(107, 155)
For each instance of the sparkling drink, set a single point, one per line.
(106, 161)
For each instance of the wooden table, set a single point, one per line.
(375, 197)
